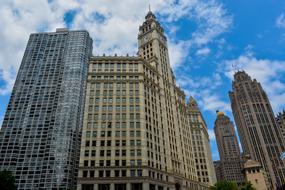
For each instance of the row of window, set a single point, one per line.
(111, 108)
(122, 152)
(108, 117)
(117, 134)
(117, 77)
(117, 143)
(111, 100)
(109, 124)
(116, 163)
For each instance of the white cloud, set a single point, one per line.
(206, 91)
(212, 135)
(280, 21)
(203, 52)
(112, 25)
(268, 72)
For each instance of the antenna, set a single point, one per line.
(149, 7)
(235, 67)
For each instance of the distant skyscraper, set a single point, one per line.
(260, 136)
(201, 144)
(280, 119)
(135, 133)
(40, 135)
(230, 165)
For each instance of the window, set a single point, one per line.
(85, 173)
(124, 173)
(139, 162)
(92, 173)
(103, 186)
(87, 186)
(93, 153)
(139, 172)
(117, 173)
(133, 173)
(136, 186)
(139, 152)
(124, 152)
(120, 187)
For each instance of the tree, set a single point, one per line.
(247, 186)
(225, 185)
(7, 181)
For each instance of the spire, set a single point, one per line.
(150, 14)
(192, 102)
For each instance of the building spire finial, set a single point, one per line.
(149, 9)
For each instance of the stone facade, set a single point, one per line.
(255, 174)
(136, 133)
(231, 164)
(201, 144)
(260, 136)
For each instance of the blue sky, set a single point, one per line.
(206, 39)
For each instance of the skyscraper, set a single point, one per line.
(260, 137)
(280, 119)
(230, 165)
(135, 133)
(201, 144)
(40, 135)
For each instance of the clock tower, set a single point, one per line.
(153, 46)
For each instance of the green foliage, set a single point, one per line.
(247, 186)
(225, 185)
(229, 185)
(7, 181)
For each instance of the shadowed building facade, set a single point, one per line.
(260, 136)
(40, 135)
(280, 120)
(201, 144)
(230, 165)
(136, 134)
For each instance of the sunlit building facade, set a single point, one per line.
(230, 166)
(136, 134)
(201, 144)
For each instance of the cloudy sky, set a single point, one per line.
(208, 40)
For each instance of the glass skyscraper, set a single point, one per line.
(40, 135)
